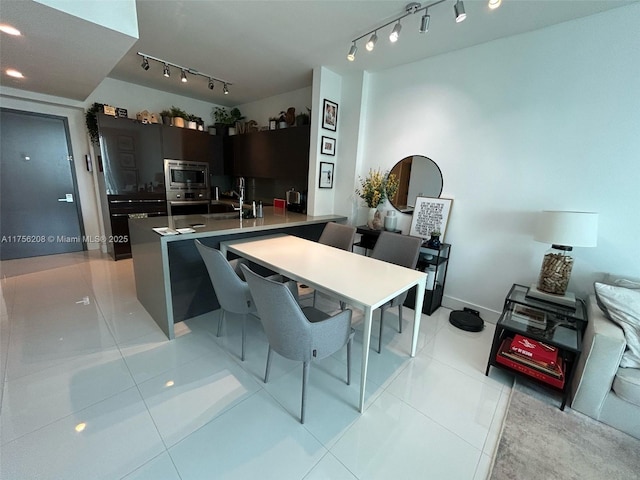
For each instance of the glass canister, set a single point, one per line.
(390, 220)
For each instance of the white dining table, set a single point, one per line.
(355, 279)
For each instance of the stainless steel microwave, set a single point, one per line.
(182, 175)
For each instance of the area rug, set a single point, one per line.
(539, 441)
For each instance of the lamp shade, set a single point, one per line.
(572, 229)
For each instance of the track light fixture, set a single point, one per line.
(183, 72)
(351, 56)
(409, 9)
(424, 22)
(395, 33)
(458, 9)
(372, 41)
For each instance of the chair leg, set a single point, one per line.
(400, 318)
(220, 321)
(349, 361)
(381, 325)
(266, 372)
(305, 379)
(244, 335)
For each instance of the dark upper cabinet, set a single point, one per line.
(193, 146)
(131, 156)
(282, 154)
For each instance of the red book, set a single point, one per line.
(530, 371)
(538, 351)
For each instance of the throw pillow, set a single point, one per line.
(623, 308)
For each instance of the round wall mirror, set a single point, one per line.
(418, 176)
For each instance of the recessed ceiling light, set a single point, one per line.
(14, 73)
(9, 30)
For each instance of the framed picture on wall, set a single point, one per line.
(127, 160)
(430, 215)
(326, 175)
(328, 146)
(329, 115)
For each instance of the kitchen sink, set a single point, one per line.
(222, 215)
(220, 207)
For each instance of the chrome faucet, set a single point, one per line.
(240, 196)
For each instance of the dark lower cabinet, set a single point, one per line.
(120, 209)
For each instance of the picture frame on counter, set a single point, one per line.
(326, 175)
(328, 146)
(329, 115)
(429, 215)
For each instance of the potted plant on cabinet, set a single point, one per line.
(166, 117)
(191, 122)
(178, 117)
(91, 119)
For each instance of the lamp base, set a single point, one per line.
(567, 300)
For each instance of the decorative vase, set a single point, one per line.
(371, 216)
(178, 122)
(434, 241)
(378, 221)
(390, 221)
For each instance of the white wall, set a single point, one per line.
(547, 120)
(262, 110)
(134, 98)
(73, 111)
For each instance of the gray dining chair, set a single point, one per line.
(402, 250)
(232, 291)
(298, 333)
(339, 236)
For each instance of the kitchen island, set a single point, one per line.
(172, 282)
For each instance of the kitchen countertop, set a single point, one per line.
(172, 282)
(206, 225)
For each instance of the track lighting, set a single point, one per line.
(409, 9)
(351, 56)
(183, 72)
(372, 42)
(395, 33)
(458, 8)
(493, 4)
(424, 22)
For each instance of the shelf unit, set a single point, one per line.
(564, 329)
(435, 261)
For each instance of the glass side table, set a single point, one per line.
(563, 329)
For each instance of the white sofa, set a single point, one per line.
(602, 389)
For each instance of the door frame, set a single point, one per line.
(72, 162)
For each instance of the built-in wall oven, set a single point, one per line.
(187, 187)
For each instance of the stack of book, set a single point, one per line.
(532, 358)
(530, 316)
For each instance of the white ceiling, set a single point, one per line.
(263, 48)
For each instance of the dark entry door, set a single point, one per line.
(39, 211)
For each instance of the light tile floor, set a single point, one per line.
(91, 388)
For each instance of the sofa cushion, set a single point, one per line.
(623, 308)
(627, 385)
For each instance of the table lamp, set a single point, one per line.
(563, 230)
